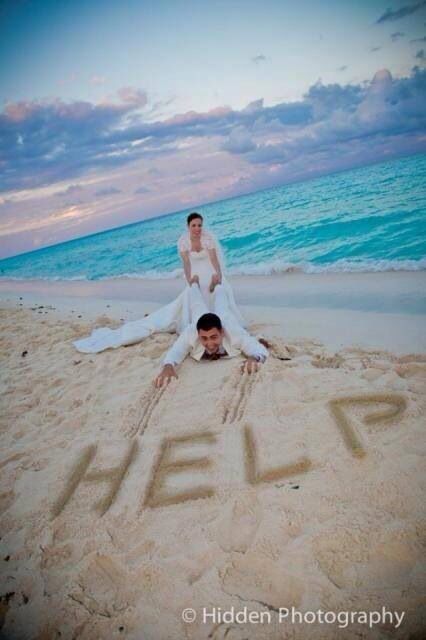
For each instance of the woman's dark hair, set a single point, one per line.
(193, 216)
(209, 321)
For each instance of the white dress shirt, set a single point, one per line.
(236, 339)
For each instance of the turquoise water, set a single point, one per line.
(367, 219)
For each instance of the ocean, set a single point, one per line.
(367, 219)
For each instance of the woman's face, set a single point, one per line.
(195, 227)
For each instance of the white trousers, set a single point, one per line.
(220, 305)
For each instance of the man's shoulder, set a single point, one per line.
(231, 327)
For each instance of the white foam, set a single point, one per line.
(262, 268)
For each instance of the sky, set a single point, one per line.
(115, 111)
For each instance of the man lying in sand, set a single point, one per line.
(211, 336)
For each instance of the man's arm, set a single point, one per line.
(174, 356)
(179, 349)
(252, 348)
(256, 353)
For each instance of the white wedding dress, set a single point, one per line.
(172, 317)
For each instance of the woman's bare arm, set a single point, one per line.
(215, 262)
(186, 265)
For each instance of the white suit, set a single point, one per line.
(175, 316)
(236, 339)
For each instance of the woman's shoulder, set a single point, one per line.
(208, 240)
(183, 242)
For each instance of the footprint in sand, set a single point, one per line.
(103, 587)
(351, 560)
(280, 351)
(239, 523)
(252, 576)
(284, 388)
(410, 369)
(413, 373)
(328, 362)
(412, 357)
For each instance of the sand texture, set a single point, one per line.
(121, 504)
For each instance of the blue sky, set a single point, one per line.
(114, 111)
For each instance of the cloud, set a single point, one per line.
(132, 96)
(390, 15)
(42, 142)
(195, 119)
(63, 141)
(108, 191)
(193, 179)
(255, 105)
(395, 36)
(386, 108)
(239, 141)
(73, 203)
(45, 142)
(73, 188)
(324, 99)
(259, 58)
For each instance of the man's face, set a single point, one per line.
(211, 339)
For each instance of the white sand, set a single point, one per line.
(372, 310)
(309, 486)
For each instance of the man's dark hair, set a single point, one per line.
(193, 216)
(209, 321)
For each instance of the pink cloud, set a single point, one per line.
(192, 116)
(133, 96)
(20, 111)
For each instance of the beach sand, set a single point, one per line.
(299, 486)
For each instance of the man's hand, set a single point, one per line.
(250, 365)
(166, 375)
(195, 279)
